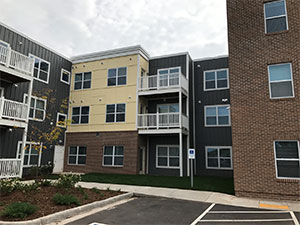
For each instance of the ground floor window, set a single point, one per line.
(287, 158)
(113, 156)
(167, 156)
(31, 153)
(218, 157)
(77, 155)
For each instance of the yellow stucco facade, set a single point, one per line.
(100, 94)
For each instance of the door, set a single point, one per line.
(142, 153)
(1, 92)
(58, 159)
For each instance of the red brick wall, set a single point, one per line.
(128, 139)
(256, 119)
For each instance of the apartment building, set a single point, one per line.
(264, 62)
(34, 84)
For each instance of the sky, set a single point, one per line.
(74, 27)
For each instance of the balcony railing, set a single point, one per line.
(13, 110)
(161, 120)
(162, 81)
(16, 60)
(10, 168)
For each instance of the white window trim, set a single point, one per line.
(219, 165)
(79, 123)
(291, 80)
(61, 76)
(77, 155)
(168, 157)
(61, 114)
(157, 107)
(82, 81)
(29, 100)
(117, 83)
(285, 159)
(216, 80)
(115, 113)
(30, 144)
(48, 75)
(274, 17)
(113, 156)
(229, 119)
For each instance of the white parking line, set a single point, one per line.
(252, 220)
(294, 218)
(255, 212)
(203, 214)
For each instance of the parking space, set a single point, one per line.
(154, 210)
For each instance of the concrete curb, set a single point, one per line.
(59, 216)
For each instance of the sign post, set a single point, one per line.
(191, 158)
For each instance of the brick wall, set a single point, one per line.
(258, 120)
(95, 144)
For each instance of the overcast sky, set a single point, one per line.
(74, 27)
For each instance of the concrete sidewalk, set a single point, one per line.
(200, 196)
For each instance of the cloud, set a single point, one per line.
(74, 27)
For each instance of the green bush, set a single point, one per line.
(67, 199)
(28, 187)
(8, 185)
(43, 170)
(68, 180)
(45, 183)
(18, 210)
(83, 193)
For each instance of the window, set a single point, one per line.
(80, 115)
(168, 77)
(115, 113)
(37, 108)
(287, 158)
(31, 154)
(168, 108)
(41, 69)
(216, 80)
(61, 120)
(217, 115)
(77, 155)
(82, 80)
(281, 81)
(65, 76)
(275, 16)
(117, 76)
(167, 156)
(113, 156)
(218, 157)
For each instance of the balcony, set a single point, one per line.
(166, 81)
(10, 168)
(13, 113)
(15, 63)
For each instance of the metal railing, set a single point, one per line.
(158, 120)
(13, 110)
(16, 60)
(10, 168)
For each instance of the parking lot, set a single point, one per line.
(154, 210)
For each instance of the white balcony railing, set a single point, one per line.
(10, 168)
(16, 60)
(160, 120)
(13, 110)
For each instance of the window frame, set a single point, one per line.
(117, 76)
(285, 159)
(61, 76)
(57, 116)
(29, 104)
(274, 17)
(18, 155)
(217, 120)
(79, 123)
(168, 157)
(77, 155)
(168, 78)
(48, 73)
(167, 104)
(292, 80)
(113, 156)
(216, 80)
(219, 158)
(82, 81)
(115, 113)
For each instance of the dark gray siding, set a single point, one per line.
(209, 136)
(59, 91)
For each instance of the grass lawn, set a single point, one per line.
(204, 183)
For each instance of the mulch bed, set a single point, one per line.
(42, 198)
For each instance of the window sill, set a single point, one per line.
(110, 166)
(288, 180)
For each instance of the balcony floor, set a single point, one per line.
(13, 75)
(12, 123)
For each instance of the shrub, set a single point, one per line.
(97, 191)
(67, 199)
(28, 187)
(18, 210)
(83, 193)
(8, 185)
(45, 183)
(68, 180)
(43, 170)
